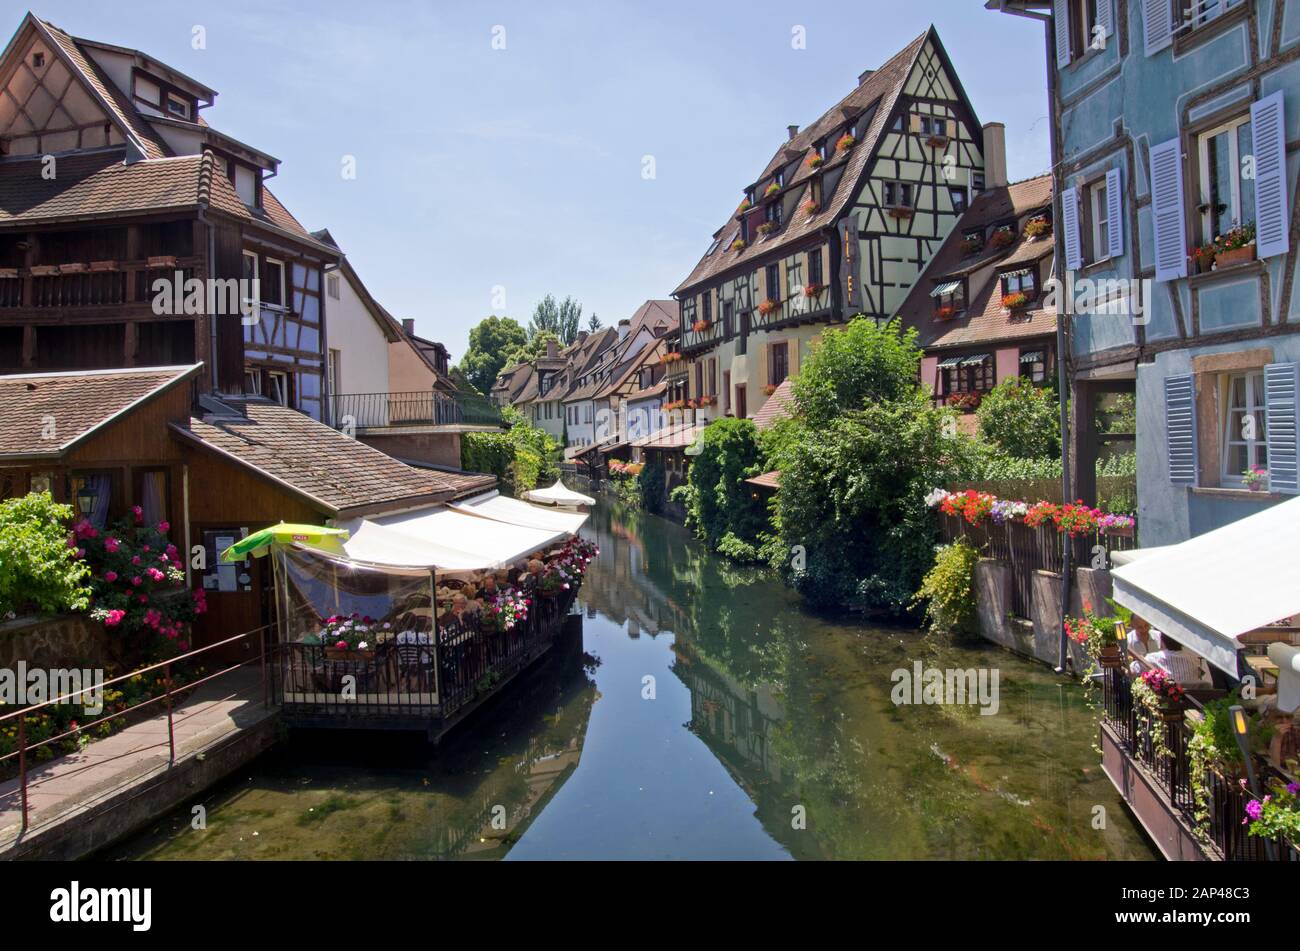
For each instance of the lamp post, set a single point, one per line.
(86, 500)
(1241, 730)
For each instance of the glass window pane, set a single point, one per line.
(1245, 146)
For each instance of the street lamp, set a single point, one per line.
(86, 499)
(1241, 730)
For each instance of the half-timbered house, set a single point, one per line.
(839, 223)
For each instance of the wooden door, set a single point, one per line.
(238, 596)
(741, 411)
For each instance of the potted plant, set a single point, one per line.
(1003, 238)
(1168, 693)
(738, 244)
(964, 401)
(1097, 635)
(812, 290)
(901, 212)
(937, 141)
(1013, 301)
(815, 160)
(700, 326)
(1038, 226)
(743, 207)
(971, 244)
(1256, 479)
(810, 207)
(504, 611)
(771, 190)
(945, 311)
(1277, 815)
(768, 306)
(1202, 258)
(1235, 246)
(768, 227)
(349, 637)
(845, 142)
(1113, 524)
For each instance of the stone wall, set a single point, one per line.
(1039, 635)
(64, 640)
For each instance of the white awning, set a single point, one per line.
(975, 360)
(950, 362)
(443, 538)
(1017, 273)
(1034, 356)
(947, 287)
(559, 494)
(1208, 591)
(502, 508)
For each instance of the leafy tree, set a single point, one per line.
(561, 319)
(522, 458)
(530, 350)
(860, 364)
(719, 506)
(650, 483)
(593, 324)
(1021, 419)
(38, 569)
(489, 343)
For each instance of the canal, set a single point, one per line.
(700, 713)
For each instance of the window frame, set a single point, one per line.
(284, 268)
(783, 348)
(1257, 448)
(1203, 208)
(285, 397)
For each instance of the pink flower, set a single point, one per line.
(138, 513)
(135, 559)
(81, 553)
(342, 645)
(110, 576)
(111, 544)
(155, 574)
(137, 581)
(114, 618)
(164, 527)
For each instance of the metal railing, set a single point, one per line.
(167, 697)
(418, 408)
(1137, 729)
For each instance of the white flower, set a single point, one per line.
(936, 496)
(362, 645)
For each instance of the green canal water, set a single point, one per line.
(701, 713)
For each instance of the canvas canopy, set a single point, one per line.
(559, 494)
(258, 543)
(1208, 591)
(501, 508)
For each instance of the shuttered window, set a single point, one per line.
(1106, 16)
(1157, 25)
(1272, 220)
(1070, 228)
(1180, 429)
(1282, 414)
(1061, 21)
(1167, 210)
(1114, 214)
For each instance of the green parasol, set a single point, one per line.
(259, 543)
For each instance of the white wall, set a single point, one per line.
(363, 367)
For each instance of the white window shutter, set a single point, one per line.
(1282, 425)
(1070, 229)
(1180, 429)
(1167, 210)
(1272, 218)
(1106, 16)
(1061, 21)
(1114, 214)
(1157, 25)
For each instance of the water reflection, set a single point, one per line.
(710, 717)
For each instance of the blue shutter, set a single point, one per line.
(1272, 220)
(1157, 25)
(1281, 425)
(1106, 16)
(1167, 210)
(1070, 229)
(1114, 214)
(1180, 429)
(1061, 21)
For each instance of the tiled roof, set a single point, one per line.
(881, 88)
(320, 464)
(768, 480)
(97, 184)
(647, 392)
(985, 320)
(677, 436)
(777, 406)
(48, 413)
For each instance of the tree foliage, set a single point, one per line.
(719, 503)
(1021, 419)
(948, 591)
(489, 343)
(39, 570)
(522, 457)
(531, 349)
(560, 318)
(861, 364)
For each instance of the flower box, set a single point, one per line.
(342, 653)
(738, 244)
(101, 267)
(1015, 301)
(769, 389)
(1037, 227)
(44, 270)
(845, 142)
(162, 260)
(1003, 238)
(812, 290)
(945, 312)
(700, 326)
(815, 161)
(1110, 657)
(810, 207)
(937, 141)
(971, 245)
(771, 190)
(1234, 256)
(743, 207)
(768, 227)
(901, 213)
(767, 306)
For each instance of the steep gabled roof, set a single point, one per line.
(985, 320)
(879, 90)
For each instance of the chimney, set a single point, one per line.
(408, 326)
(995, 155)
(552, 349)
(624, 326)
(864, 76)
(793, 130)
(582, 336)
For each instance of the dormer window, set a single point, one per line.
(949, 298)
(177, 106)
(1019, 287)
(972, 240)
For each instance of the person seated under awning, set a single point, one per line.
(1183, 666)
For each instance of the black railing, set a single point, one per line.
(418, 408)
(1028, 549)
(1223, 833)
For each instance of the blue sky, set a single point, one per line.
(521, 168)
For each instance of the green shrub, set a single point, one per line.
(1021, 419)
(38, 570)
(861, 364)
(650, 483)
(522, 457)
(720, 503)
(948, 591)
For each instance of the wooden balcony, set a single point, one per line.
(91, 289)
